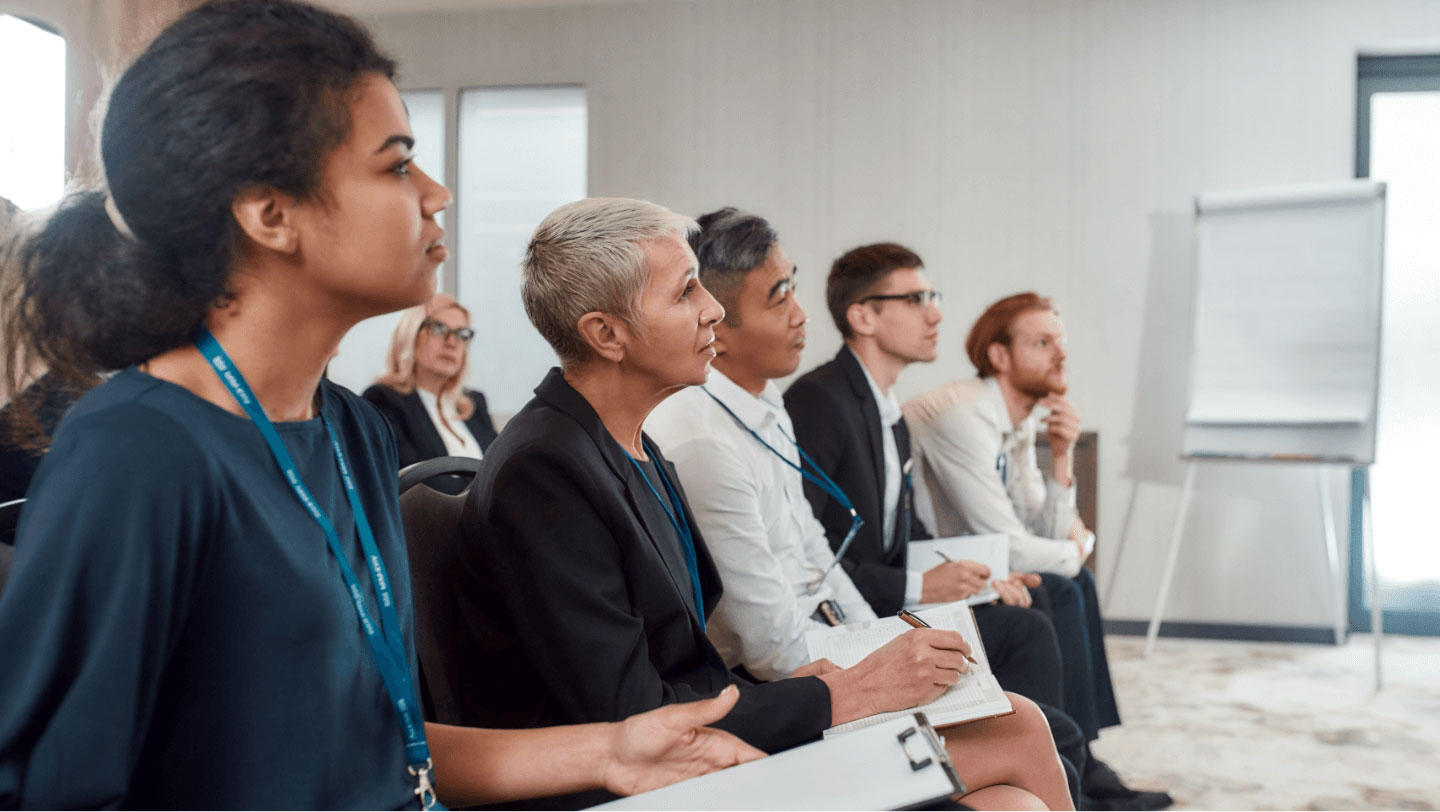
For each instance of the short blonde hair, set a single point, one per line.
(588, 256)
(400, 360)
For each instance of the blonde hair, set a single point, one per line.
(400, 360)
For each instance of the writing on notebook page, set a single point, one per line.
(976, 695)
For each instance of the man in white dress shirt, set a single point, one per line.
(745, 494)
(976, 472)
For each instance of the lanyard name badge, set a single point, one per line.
(687, 539)
(385, 642)
(823, 481)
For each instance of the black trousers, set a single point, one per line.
(1023, 651)
(1074, 610)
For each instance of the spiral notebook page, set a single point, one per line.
(976, 696)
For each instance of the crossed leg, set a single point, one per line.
(1009, 762)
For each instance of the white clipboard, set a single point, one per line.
(901, 764)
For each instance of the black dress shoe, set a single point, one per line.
(1088, 804)
(1142, 801)
(1103, 789)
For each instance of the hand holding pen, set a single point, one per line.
(919, 623)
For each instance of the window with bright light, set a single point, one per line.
(32, 113)
(1404, 134)
(522, 155)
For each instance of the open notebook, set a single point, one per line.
(976, 696)
(990, 549)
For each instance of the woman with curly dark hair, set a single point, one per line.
(210, 602)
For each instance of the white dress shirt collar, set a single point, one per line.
(1013, 437)
(755, 412)
(889, 407)
(458, 440)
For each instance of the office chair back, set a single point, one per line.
(432, 522)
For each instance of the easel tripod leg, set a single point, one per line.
(1169, 574)
(1332, 549)
(1377, 617)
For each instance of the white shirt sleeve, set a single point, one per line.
(759, 609)
(1060, 510)
(1044, 506)
(960, 455)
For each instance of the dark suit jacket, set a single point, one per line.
(838, 424)
(572, 611)
(416, 436)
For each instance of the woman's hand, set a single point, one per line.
(650, 750)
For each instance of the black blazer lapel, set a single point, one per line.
(427, 437)
(635, 491)
(870, 410)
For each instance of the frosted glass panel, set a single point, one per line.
(32, 124)
(522, 155)
(362, 352)
(1405, 127)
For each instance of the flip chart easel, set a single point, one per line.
(1284, 364)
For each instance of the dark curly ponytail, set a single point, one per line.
(234, 94)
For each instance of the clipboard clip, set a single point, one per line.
(936, 742)
(915, 766)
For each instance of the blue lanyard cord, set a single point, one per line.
(821, 479)
(386, 642)
(687, 539)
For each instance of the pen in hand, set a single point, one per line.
(947, 558)
(919, 623)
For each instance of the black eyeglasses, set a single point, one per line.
(919, 298)
(443, 331)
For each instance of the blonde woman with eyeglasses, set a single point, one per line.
(422, 392)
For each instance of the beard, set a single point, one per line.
(1039, 384)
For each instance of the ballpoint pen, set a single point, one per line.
(919, 623)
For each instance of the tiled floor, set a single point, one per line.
(1226, 725)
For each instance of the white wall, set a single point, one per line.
(1047, 145)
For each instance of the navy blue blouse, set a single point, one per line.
(176, 633)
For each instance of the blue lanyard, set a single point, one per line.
(386, 643)
(687, 539)
(821, 479)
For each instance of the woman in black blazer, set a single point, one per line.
(421, 393)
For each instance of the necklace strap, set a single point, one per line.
(676, 517)
(385, 640)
